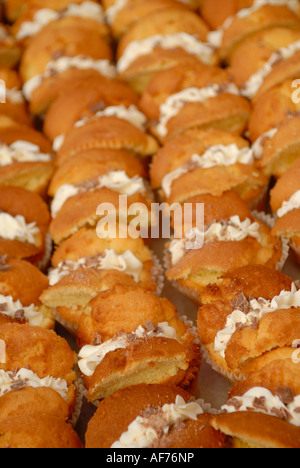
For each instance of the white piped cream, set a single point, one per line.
(62, 64)
(233, 230)
(146, 46)
(218, 155)
(261, 400)
(174, 103)
(117, 181)
(215, 38)
(292, 204)
(27, 378)
(258, 308)
(22, 151)
(91, 356)
(142, 432)
(16, 228)
(127, 263)
(45, 16)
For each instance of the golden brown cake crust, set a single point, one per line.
(37, 430)
(141, 360)
(86, 37)
(22, 281)
(133, 401)
(168, 21)
(33, 400)
(18, 201)
(130, 401)
(258, 430)
(125, 308)
(88, 165)
(107, 133)
(92, 94)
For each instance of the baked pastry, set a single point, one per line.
(38, 431)
(13, 108)
(14, 8)
(112, 196)
(124, 308)
(122, 15)
(144, 402)
(87, 165)
(193, 96)
(124, 130)
(198, 253)
(93, 94)
(284, 201)
(21, 286)
(52, 366)
(266, 60)
(27, 400)
(85, 265)
(255, 430)
(249, 19)
(277, 149)
(248, 324)
(68, 37)
(150, 354)
(208, 161)
(10, 52)
(160, 40)
(24, 224)
(26, 159)
(274, 107)
(34, 18)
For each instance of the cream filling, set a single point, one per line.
(258, 145)
(45, 16)
(21, 151)
(117, 181)
(10, 381)
(261, 400)
(215, 38)
(292, 204)
(258, 308)
(174, 103)
(114, 10)
(127, 263)
(233, 230)
(131, 114)
(91, 356)
(16, 228)
(251, 87)
(146, 46)
(218, 155)
(16, 310)
(62, 64)
(15, 96)
(143, 432)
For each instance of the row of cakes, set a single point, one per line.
(79, 135)
(215, 150)
(101, 145)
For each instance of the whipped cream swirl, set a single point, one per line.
(218, 155)
(126, 262)
(251, 312)
(284, 405)
(154, 423)
(91, 356)
(22, 151)
(174, 103)
(117, 181)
